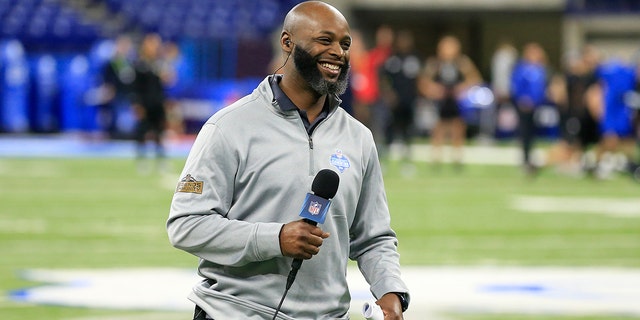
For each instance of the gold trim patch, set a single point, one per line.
(189, 184)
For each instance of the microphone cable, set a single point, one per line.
(295, 266)
(284, 64)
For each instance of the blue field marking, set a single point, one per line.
(516, 288)
(61, 146)
(21, 295)
(434, 290)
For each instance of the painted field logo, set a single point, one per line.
(188, 184)
(340, 161)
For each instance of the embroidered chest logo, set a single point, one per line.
(340, 161)
(188, 184)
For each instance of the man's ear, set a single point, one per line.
(285, 42)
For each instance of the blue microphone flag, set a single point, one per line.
(315, 208)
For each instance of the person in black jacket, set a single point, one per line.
(398, 88)
(149, 98)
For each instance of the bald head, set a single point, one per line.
(309, 14)
(316, 37)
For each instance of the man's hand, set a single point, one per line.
(301, 240)
(391, 307)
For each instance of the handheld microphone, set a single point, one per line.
(314, 210)
(315, 206)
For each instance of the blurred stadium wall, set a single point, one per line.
(51, 51)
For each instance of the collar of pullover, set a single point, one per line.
(285, 104)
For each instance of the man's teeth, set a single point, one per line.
(331, 66)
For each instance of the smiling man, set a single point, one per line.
(236, 206)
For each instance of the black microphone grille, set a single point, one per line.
(325, 184)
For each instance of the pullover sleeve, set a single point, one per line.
(198, 221)
(373, 242)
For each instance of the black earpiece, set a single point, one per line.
(288, 44)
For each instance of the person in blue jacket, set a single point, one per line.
(617, 80)
(528, 91)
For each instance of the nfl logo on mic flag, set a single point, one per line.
(314, 208)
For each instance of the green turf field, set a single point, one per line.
(99, 213)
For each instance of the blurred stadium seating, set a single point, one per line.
(47, 22)
(201, 19)
(82, 22)
(599, 6)
(51, 52)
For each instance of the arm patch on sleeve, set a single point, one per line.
(189, 184)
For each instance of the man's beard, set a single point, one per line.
(307, 66)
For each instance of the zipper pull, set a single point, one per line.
(310, 143)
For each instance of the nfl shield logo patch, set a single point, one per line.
(314, 208)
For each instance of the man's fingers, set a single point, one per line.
(318, 232)
(312, 250)
(315, 240)
(312, 244)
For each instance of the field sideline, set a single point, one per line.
(99, 213)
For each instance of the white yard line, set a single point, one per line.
(434, 290)
(475, 154)
(617, 207)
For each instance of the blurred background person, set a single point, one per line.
(359, 80)
(502, 61)
(399, 88)
(149, 101)
(617, 80)
(118, 75)
(528, 92)
(577, 103)
(634, 162)
(173, 77)
(445, 78)
(634, 100)
(378, 108)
